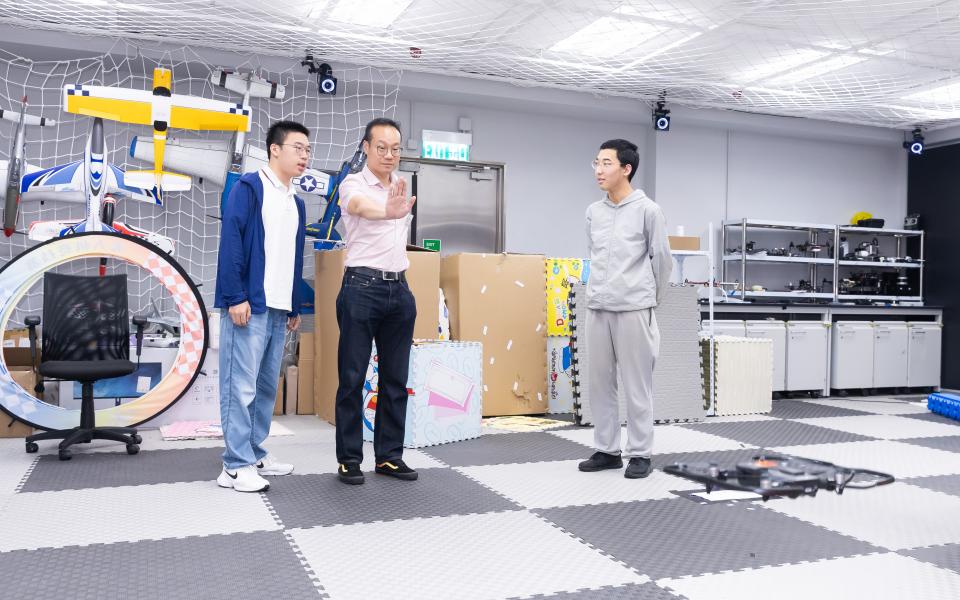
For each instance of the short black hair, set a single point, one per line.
(382, 121)
(626, 153)
(279, 130)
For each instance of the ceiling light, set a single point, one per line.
(945, 94)
(371, 13)
(782, 63)
(652, 14)
(817, 69)
(607, 37)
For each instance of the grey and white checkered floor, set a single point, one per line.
(503, 516)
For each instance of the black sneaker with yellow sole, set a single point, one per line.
(396, 468)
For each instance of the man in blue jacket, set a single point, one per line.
(258, 273)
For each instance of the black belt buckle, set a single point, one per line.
(390, 275)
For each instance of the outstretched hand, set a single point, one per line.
(398, 205)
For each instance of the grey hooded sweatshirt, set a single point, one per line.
(630, 260)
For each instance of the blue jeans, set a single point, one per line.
(249, 368)
(371, 309)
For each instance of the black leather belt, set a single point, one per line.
(385, 275)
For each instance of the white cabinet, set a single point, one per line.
(806, 356)
(889, 354)
(775, 331)
(851, 363)
(734, 328)
(923, 354)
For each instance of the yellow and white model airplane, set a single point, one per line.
(162, 110)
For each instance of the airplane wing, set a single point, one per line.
(193, 112)
(63, 182)
(206, 159)
(247, 83)
(4, 166)
(14, 116)
(112, 103)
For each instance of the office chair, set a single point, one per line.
(86, 338)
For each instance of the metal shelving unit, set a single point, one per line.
(817, 233)
(900, 236)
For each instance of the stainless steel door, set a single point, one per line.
(459, 204)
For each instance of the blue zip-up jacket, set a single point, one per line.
(240, 263)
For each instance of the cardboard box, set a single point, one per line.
(684, 242)
(278, 405)
(305, 359)
(290, 389)
(17, 338)
(423, 277)
(500, 301)
(18, 363)
(445, 403)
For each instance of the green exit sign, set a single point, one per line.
(432, 245)
(446, 151)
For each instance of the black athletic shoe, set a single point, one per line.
(601, 461)
(638, 468)
(350, 473)
(396, 468)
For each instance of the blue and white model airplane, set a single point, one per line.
(99, 183)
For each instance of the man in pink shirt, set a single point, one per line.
(375, 304)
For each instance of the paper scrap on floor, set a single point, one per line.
(521, 424)
(196, 430)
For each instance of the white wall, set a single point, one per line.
(699, 171)
(548, 180)
(707, 174)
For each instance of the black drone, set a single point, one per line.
(771, 475)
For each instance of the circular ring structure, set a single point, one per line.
(20, 274)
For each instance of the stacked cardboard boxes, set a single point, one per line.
(423, 278)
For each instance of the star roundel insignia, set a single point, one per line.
(308, 183)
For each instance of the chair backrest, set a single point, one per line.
(85, 318)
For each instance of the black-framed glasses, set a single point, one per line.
(300, 148)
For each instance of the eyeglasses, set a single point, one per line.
(382, 150)
(301, 149)
(606, 164)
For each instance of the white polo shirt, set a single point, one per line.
(280, 222)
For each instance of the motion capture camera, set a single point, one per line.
(915, 146)
(661, 117)
(326, 82)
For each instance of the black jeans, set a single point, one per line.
(372, 309)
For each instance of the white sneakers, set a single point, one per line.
(250, 478)
(270, 466)
(244, 479)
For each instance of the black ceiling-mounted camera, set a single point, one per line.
(326, 82)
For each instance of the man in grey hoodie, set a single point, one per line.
(630, 265)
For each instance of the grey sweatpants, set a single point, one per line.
(628, 341)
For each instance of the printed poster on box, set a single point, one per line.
(445, 385)
(561, 273)
(559, 375)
